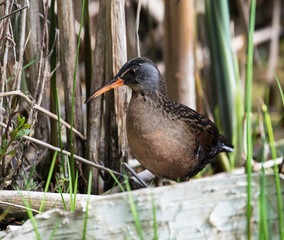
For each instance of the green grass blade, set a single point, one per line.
(155, 227)
(280, 89)
(52, 49)
(50, 171)
(75, 193)
(276, 174)
(70, 185)
(31, 216)
(117, 181)
(73, 95)
(229, 97)
(87, 52)
(87, 207)
(59, 131)
(60, 191)
(282, 97)
(4, 214)
(263, 229)
(24, 67)
(133, 209)
(248, 113)
(41, 209)
(225, 18)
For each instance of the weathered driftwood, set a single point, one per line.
(14, 201)
(210, 208)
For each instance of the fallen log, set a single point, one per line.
(209, 208)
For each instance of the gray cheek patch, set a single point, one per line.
(150, 72)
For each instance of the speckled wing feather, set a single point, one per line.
(205, 130)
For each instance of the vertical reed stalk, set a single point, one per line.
(248, 114)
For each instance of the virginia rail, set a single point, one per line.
(168, 138)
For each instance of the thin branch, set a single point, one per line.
(17, 205)
(4, 24)
(269, 163)
(22, 50)
(4, 67)
(39, 108)
(12, 13)
(43, 61)
(135, 174)
(49, 146)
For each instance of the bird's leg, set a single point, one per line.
(130, 169)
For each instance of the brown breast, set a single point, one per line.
(162, 145)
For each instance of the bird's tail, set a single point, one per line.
(226, 145)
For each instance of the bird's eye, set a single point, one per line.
(132, 71)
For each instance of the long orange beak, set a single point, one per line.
(114, 83)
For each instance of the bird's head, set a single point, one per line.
(140, 74)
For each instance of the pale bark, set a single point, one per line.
(14, 201)
(116, 101)
(94, 109)
(68, 59)
(209, 208)
(130, 29)
(274, 43)
(33, 47)
(36, 49)
(179, 51)
(110, 55)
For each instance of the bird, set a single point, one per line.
(168, 138)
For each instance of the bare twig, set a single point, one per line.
(39, 108)
(269, 163)
(33, 115)
(43, 60)
(17, 205)
(19, 69)
(4, 24)
(22, 46)
(12, 13)
(4, 67)
(49, 146)
(136, 175)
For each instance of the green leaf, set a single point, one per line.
(12, 153)
(21, 121)
(22, 133)
(14, 133)
(19, 118)
(2, 151)
(26, 125)
(4, 145)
